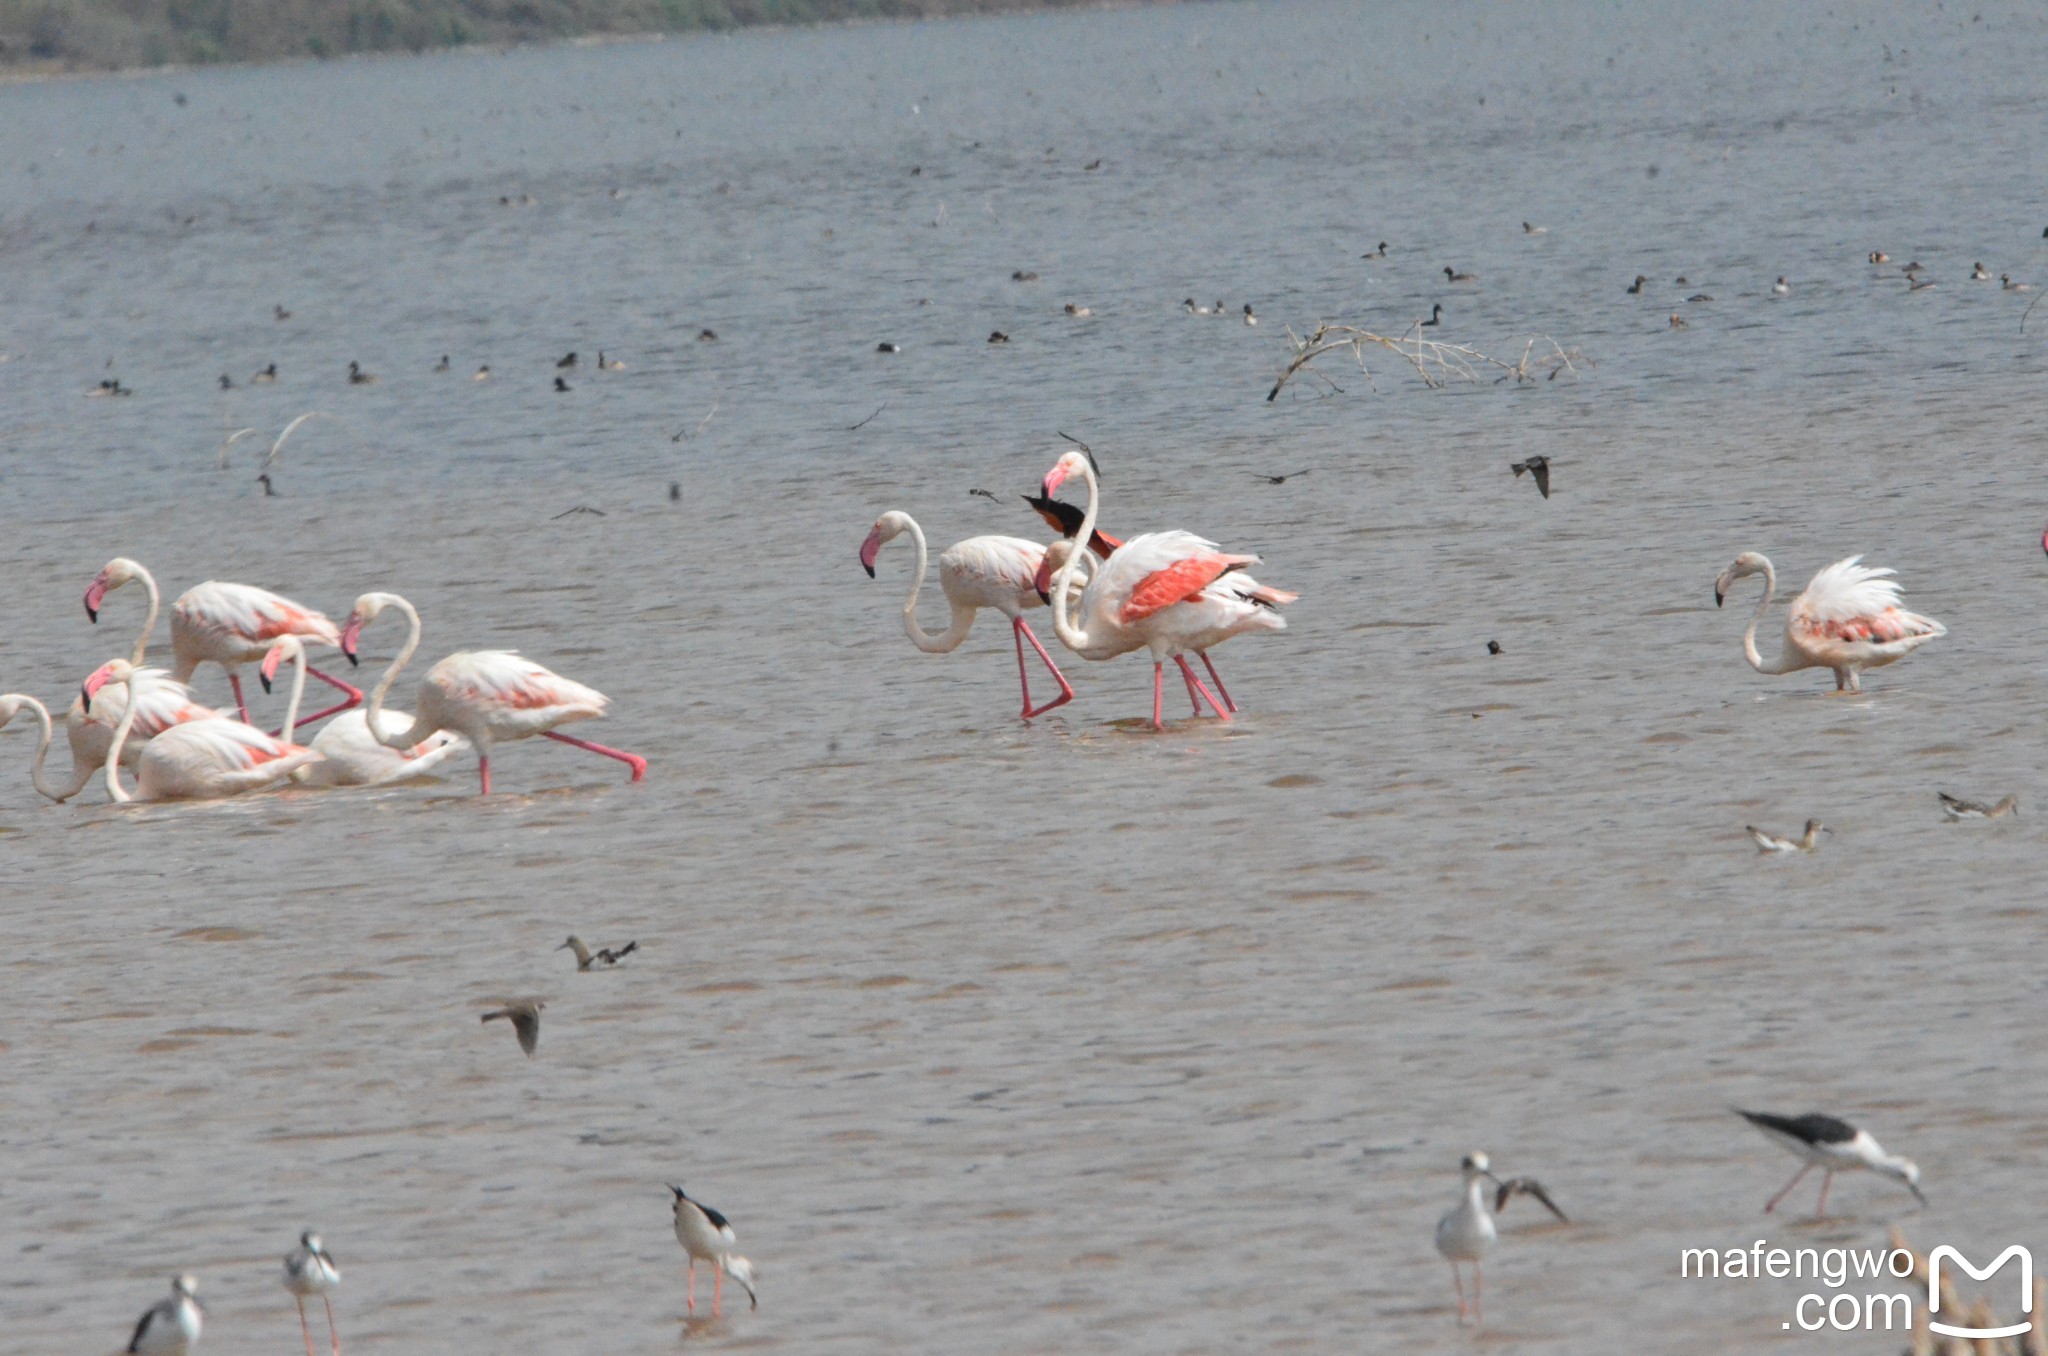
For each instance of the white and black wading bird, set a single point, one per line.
(1834, 1145)
(1466, 1232)
(172, 1325)
(707, 1237)
(309, 1271)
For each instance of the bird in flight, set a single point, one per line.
(1281, 480)
(1539, 467)
(525, 1019)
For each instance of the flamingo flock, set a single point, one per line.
(133, 715)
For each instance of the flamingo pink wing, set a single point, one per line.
(1177, 583)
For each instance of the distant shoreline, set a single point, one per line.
(98, 40)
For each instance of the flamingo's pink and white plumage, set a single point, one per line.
(1848, 618)
(162, 702)
(995, 572)
(349, 756)
(209, 759)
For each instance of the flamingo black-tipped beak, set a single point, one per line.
(85, 700)
(93, 596)
(869, 549)
(1717, 597)
(350, 635)
(1053, 480)
(263, 678)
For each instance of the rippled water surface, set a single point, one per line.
(1070, 1036)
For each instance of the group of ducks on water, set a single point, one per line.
(171, 1326)
(1467, 1231)
(129, 714)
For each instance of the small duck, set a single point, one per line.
(1530, 229)
(1078, 311)
(998, 337)
(1635, 288)
(357, 376)
(1919, 284)
(1379, 253)
(562, 387)
(280, 313)
(707, 336)
(109, 386)
(265, 377)
(2006, 283)
(567, 359)
(483, 373)
(1677, 321)
(1879, 257)
(442, 366)
(1023, 275)
(227, 383)
(605, 364)
(1192, 309)
(1698, 297)
(1493, 647)
(1455, 276)
(269, 490)
(1681, 281)
(1771, 842)
(1781, 287)
(1956, 808)
(886, 347)
(1436, 315)
(1978, 273)
(1249, 318)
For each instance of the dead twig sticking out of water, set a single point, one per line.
(580, 508)
(684, 436)
(270, 458)
(870, 419)
(2029, 311)
(1438, 363)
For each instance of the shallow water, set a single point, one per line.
(995, 1038)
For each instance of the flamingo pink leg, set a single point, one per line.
(483, 770)
(302, 1325)
(1820, 1207)
(1195, 685)
(1022, 632)
(1158, 693)
(235, 682)
(1772, 1204)
(333, 1332)
(1210, 665)
(631, 760)
(1194, 702)
(355, 699)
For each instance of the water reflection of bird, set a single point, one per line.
(1538, 468)
(525, 1019)
(707, 1236)
(1834, 1145)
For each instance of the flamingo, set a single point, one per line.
(488, 696)
(11, 705)
(198, 759)
(1155, 592)
(349, 756)
(1848, 619)
(225, 624)
(992, 572)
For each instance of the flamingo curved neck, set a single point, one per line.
(947, 641)
(149, 624)
(295, 652)
(375, 716)
(114, 791)
(35, 768)
(1789, 659)
(1072, 636)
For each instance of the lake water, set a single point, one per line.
(1071, 1036)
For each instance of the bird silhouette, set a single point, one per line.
(525, 1019)
(1539, 467)
(604, 955)
(1281, 480)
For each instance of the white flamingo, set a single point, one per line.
(992, 572)
(11, 705)
(487, 696)
(1155, 592)
(349, 754)
(226, 624)
(199, 759)
(1847, 619)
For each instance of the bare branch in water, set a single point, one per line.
(870, 419)
(2029, 311)
(270, 458)
(683, 436)
(1436, 362)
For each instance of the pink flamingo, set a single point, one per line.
(349, 754)
(1159, 592)
(198, 759)
(992, 572)
(225, 624)
(487, 696)
(1847, 619)
(11, 705)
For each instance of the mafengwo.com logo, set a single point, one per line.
(1851, 1307)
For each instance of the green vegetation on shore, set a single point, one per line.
(88, 35)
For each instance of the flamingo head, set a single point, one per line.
(359, 616)
(1056, 557)
(1074, 463)
(115, 573)
(113, 671)
(286, 647)
(10, 707)
(1746, 564)
(887, 528)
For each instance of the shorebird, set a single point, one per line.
(357, 376)
(1078, 311)
(567, 359)
(1436, 315)
(525, 1019)
(1455, 276)
(1956, 808)
(172, 1325)
(1781, 287)
(1538, 467)
(310, 1271)
(265, 377)
(1771, 842)
(1834, 1145)
(707, 1237)
(1635, 288)
(604, 955)
(1467, 1231)
(1979, 274)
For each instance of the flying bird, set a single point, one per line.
(1956, 808)
(1538, 467)
(1281, 480)
(604, 955)
(525, 1019)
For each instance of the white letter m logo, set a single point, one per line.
(1934, 1289)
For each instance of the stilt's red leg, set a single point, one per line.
(483, 770)
(1772, 1204)
(333, 1333)
(302, 1324)
(1195, 685)
(1023, 633)
(1210, 665)
(717, 1289)
(1459, 1281)
(1478, 1292)
(1158, 688)
(1820, 1207)
(631, 760)
(235, 682)
(693, 1285)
